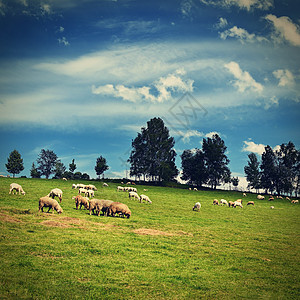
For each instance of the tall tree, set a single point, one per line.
(193, 167)
(34, 172)
(46, 162)
(60, 169)
(252, 172)
(72, 166)
(153, 154)
(101, 166)
(216, 160)
(14, 163)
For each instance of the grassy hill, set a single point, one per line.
(164, 251)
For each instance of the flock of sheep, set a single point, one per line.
(95, 206)
(238, 202)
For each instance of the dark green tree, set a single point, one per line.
(153, 154)
(34, 173)
(235, 181)
(46, 162)
(216, 161)
(252, 172)
(72, 166)
(101, 166)
(14, 163)
(60, 169)
(193, 167)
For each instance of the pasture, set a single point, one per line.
(164, 251)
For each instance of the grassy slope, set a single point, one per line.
(218, 252)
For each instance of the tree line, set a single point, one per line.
(152, 158)
(48, 163)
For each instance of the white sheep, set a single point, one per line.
(260, 197)
(65, 179)
(16, 187)
(74, 186)
(134, 195)
(244, 195)
(197, 206)
(195, 189)
(105, 184)
(223, 202)
(237, 203)
(56, 192)
(272, 207)
(90, 193)
(120, 188)
(82, 191)
(145, 198)
(91, 187)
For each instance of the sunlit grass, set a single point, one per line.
(164, 251)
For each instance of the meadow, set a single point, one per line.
(164, 251)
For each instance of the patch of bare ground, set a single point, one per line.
(147, 231)
(7, 218)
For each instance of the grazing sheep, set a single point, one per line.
(287, 198)
(105, 184)
(145, 198)
(103, 206)
(237, 203)
(119, 208)
(56, 192)
(260, 197)
(223, 202)
(16, 187)
(90, 193)
(197, 206)
(295, 201)
(120, 188)
(82, 191)
(250, 203)
(91, 187)
(134, 195)
(93, 204)
(279, 197)
(244, 195)
(272, 207)
(216, 202)
(271, 198)
(145, 190)
(195, 189)
(128, 182)
(239, 200)
(51, 203)
(80, 185)
(74, 186)
(230, 203)
(79, 200)
(65, 179)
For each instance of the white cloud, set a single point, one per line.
(244, 81)
(211, 134)
(164, 86)
(242, 4)
(241, 34)
(63, 41)
(285, 29)
(285, 77)
(221, 24)
(188, 134)
(259, 149)
(250, 146)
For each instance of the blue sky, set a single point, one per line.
(82, 77)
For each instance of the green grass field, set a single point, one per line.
(164, 251)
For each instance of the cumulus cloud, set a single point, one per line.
(190, 133)
(285, 77)
(241, 4)
(221, 24)
(284, 29)
(242, 34)
(244, 81)
(259, 149)
(163, 89)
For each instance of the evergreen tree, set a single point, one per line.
(46, 162)
(101, 166)
(216, 160)
(72, 166)
(34, 173)
(14, 163)
(252, 172)
(153, 154)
